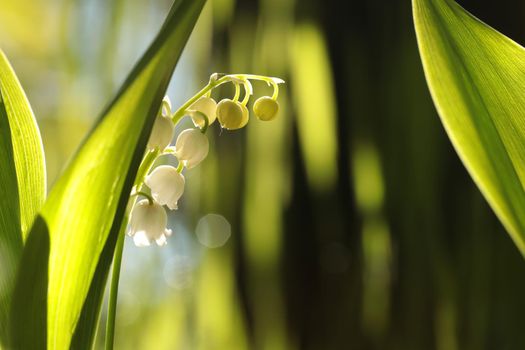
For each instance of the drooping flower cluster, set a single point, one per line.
(165, 183)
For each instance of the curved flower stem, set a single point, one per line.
(237, 93)
(219, 79)
(275, 90)
(144, 194)
(211, 85)
(248, 92)
(144, 168)
(180, 167)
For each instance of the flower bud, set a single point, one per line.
(230, 114)
(148, 224)
(265, 108)
(162, 133)
(191, 147)
(245, 116)
(166, 184)
(166, 107)
(208, 107)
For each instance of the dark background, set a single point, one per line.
(455, 279)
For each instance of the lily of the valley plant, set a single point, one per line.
(163, 186)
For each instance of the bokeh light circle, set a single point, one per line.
(213, 230)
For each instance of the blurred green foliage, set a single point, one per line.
(354, 224)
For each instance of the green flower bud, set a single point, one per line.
(245, 115)
(266, 108)
(230, 114)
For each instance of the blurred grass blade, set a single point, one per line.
(477, 78)
(22, 180)
(85, 208)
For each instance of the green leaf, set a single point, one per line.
(477, 77)
(84, 211)
(22, 180)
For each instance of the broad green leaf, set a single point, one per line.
(477, 78)
(22, 180)
(82, 216)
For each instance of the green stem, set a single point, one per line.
(275, 90)
(237, 93)
(113, 292)
(144, 168)
(269, 80)
(144, 194)
(180, 167)
(211, 85)
(248, 92)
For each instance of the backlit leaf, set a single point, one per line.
(22, 180)
(476, 76)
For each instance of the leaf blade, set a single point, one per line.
(27, 146)
(476, 75)
(22, 180)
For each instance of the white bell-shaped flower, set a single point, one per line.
(166, 184)
(162, 133)
(166, 107)
(191, 147)
(148, 224)
(208, 107)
